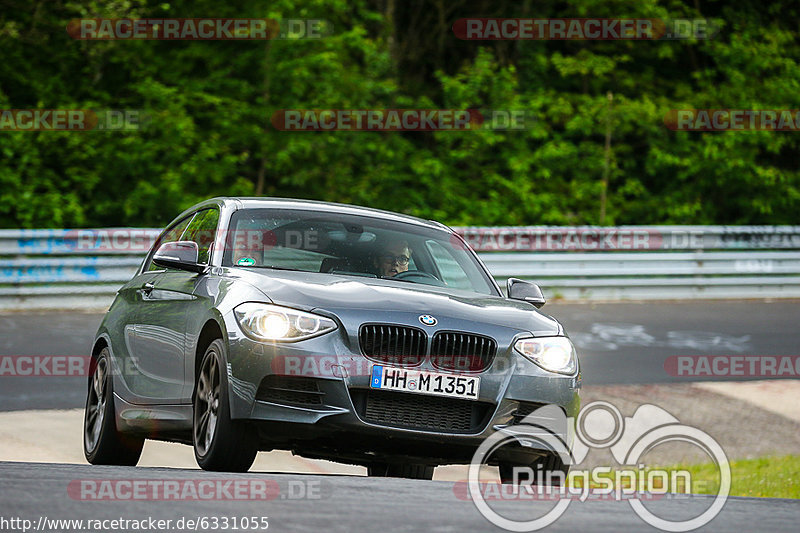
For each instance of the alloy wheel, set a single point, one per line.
(96, 405)
(207, 404)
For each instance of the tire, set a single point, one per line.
(220, 443)
(549, 463)
(408, 471)
(103, 444)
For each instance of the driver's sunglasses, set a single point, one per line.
(401, 260)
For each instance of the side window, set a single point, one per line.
(202, 231)
(451, 271)
(173, 234)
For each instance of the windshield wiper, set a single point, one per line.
(352, 273)
(273, 267)
(392, 278)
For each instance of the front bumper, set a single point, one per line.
(314, 397)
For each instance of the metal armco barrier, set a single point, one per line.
(72, 269)
(630, 238)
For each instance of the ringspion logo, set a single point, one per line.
(599, 425)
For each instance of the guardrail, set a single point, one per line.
(84, 268)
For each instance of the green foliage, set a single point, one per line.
(209, 106)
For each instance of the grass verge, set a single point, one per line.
(763, 477)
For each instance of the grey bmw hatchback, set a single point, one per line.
(334, 331)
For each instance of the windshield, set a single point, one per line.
(333, 243)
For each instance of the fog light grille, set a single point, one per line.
(418, 411)
(289, 390)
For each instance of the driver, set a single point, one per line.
(393, 258)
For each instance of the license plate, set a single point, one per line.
(423, 382)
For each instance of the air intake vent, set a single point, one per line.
(422, 412)
(397, 345)
(462, 352)
(289, 390)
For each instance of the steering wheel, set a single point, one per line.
(418, 276)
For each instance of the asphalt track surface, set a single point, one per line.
(619, 343)
(350, 504)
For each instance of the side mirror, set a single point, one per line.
(179, 254)
(526, 291)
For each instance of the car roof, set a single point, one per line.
(313, 205)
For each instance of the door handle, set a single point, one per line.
(148, 287)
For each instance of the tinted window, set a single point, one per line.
(202, 230)
(171, 235)
(449, 268)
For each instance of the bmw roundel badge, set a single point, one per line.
(428, 320)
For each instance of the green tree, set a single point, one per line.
(209, 105)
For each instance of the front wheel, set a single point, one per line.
(220, 443)
(103, 444)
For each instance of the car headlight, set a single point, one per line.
(555, 354)
(266, 322)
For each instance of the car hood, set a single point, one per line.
(381, 299)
